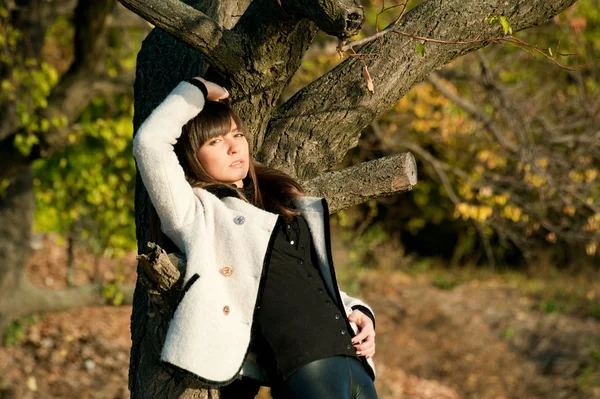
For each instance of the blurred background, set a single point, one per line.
(484, 278)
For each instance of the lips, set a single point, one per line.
(237, 163)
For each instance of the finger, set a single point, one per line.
(356, 316)
(363, 334)
(366, 353)
(224, 95)
(367, 341)
(365, 321)
(365, 348)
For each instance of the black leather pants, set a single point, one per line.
(338, 377)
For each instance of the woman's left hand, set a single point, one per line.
(366, 334)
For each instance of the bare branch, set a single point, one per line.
(475, 112)
(357, 184)
(30, 299)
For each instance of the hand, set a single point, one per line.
(215, 92)
(366, 334)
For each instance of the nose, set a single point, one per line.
(234, 147)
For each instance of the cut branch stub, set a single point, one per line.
(162, 271)
(340, 18)
(357, 184)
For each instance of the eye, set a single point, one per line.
(214, 141)
(240, 134)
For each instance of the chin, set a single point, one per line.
(239, 177)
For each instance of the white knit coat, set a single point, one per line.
(225, 242)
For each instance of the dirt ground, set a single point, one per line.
(478, 340)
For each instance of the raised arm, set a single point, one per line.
(161, 172)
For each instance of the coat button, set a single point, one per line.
(337, 316)
(239, 220)
(348, 346)
(227, 271)
(225, 310)
(343, 332)
(300, 261)
(321, 290)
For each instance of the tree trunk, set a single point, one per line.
(313, 130)
(162, 63)
(70, 258)
(17, 206)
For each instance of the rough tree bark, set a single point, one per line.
(255, 58)
(77, 87)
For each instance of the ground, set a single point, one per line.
(485, 338)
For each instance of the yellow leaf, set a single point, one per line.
(591, 248)
(501, 199)
(575, 176)
(569, 210)
(590, 175)
(542, 162)
(32, 384)
(485, 192)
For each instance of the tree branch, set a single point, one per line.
(30, 299)
(357, 184)
(474, 111)
(223, 48)
(331, 112)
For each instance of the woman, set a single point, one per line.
(260, 302)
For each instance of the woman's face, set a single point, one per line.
(226, 158)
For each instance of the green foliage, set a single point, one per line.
(4, 183)
(87, 189)
(508, 333)
(27, 83)
(113, 293)
(589, 377)
(548, 306)
(420, 48)
(503, 21)
(15, 332)
(444, 283)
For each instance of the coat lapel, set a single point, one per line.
(312, 210)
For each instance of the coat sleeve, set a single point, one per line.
(351, 303)
(161, 172)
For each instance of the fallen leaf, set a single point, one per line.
(32, 384)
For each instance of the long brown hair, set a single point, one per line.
(264, 187)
